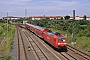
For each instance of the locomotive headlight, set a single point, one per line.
(62, 44)
(58, 43)
(65, 43)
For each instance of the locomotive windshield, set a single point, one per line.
(58, 34)
(61, 39)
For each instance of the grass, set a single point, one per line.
(6, 48)
(6, 58)
(82, 43)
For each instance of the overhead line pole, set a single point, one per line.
(73, 23)
(25, 13)
(7, 28)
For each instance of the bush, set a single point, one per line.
(83, 27)
(88, 34)
(6, 58)
(83, 22)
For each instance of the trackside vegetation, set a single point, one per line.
(6, 47)
(81, 30)
(6, 58)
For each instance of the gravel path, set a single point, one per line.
(13, 53)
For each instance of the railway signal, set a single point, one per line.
(29, 48)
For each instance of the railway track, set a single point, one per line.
(66, 55)
(22, 55)
(45, 47)
(80, 53)
(39, 53)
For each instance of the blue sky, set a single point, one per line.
(44, 7)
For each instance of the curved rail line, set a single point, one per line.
(18, 43)
(82, 54)
(39, 57)
(68, 55)
(34, 35)
(19, 33)
(65, 56)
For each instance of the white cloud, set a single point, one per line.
(66, 3)
(43, 6)
(14, 1)
(46, 11)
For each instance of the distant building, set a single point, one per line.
(87, 18)
(44, 17)
(80, 18)
(10, 18)
(71, 17)
(77, 18)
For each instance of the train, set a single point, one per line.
(55, 39)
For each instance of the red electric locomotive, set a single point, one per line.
(55, 39)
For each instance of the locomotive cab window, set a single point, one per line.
(64, 39)
(61, 39)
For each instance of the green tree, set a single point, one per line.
(83, 22)
(67, 17)
(61, 18)
(84, 17)
(47, 18)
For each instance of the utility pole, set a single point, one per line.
(7, 28)
(44, 17)
(73, 23)
(25, 13)
(11, 26)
